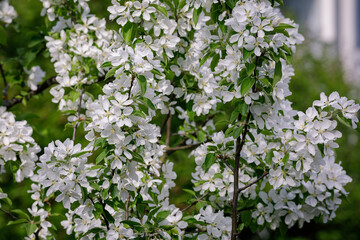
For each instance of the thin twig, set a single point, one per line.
(253, 182)
(195, 202)
(131, 84)
(6, 85)
(78, 115)
(10, 103)
(127, 208)
(10, 214)
(183, 147)
(167, 140)
(225, 158)
(239, 145)
(102, 214)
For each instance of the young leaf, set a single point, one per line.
(106, 64)
(196, 14)
(210, 159)
(278, 72)
(128, 32)
(214, 61)
(160, 9)
(250, 67)
(246, 86)
(142, 83)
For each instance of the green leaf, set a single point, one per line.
(246, 53)
(191, 192)
(201, 136)
(98, 209)
(106, 64)
(231, 3)
(79, 154)
(108, 216)
(246, 217)
(95, 185)
(128, 32)
(284, 26)
(246, 86)
(3, 36)
(160, 9)
(101, 157)
(196, 14)
(242, 108)
(142, 83)
(162, 215)
(138, 113)
(269, 156)
(206, 57)
(165, 57)
(242, 75)
(22, 220)
(200, 205)
(136, 157)
(182, 4)
(286, 158)
(265, 81)
(214, 61)
(234, 116)
(147, 102)
(210, 159)
(278, 72)
(237, 132)
(21, 213)
(280, 2)
(30, 228)
(131, 224)
(250, 67)
(111, 72)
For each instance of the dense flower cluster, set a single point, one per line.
(17, 145)
(187, 60)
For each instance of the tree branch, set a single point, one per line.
(239, 145)
(6, 85)
(78, 115)
(195, 202)
(225, 158)
(9, 213)
(183, 147)
(253, 182)
(127, 208)
(10, 103)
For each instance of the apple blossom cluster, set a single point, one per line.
(186, 60)
(77, 44)
(17, 147)
(36, 76)
(7, 12)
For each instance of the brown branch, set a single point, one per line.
(9, 213)
(127, 208)
(239, 145)
(253, 182)
(6, 85)
(78, 115)
(10, 103)
(102, 214)
(167, 140)
(131, 84)
(195, 202)
(225, 158)
(182, 147)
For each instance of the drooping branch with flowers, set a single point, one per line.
(263, 165)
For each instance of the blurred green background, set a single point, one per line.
(312, 76)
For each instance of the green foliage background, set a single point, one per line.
(312, 76)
